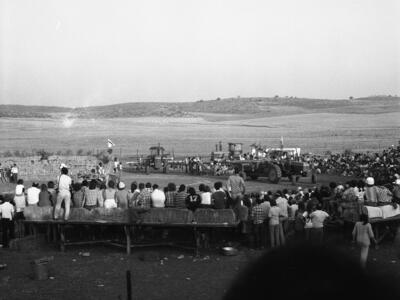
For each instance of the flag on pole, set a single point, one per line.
(282, 142)
(110, 144)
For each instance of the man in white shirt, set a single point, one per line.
(282, 203)
(318, 218)
(32, 194)
(14, 173)
(7, 223)
(157, 197)
(64, 194)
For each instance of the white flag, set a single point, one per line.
(110, 144)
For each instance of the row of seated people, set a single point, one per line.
(94, 193)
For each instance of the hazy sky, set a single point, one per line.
(92, 52)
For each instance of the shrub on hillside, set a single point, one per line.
(347, 152)
(44, 155)
(8, 153)
(79, 152)
(68, 152)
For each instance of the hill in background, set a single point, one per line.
(211, 109)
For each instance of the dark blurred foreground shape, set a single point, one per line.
(309, 272)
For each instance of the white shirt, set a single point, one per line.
(64, 182)
(7, 210)
(266, 206)
(158, 198)
(205, 198)
(20, 203)
(14, 170)
(283, 205)
(32, 195)
(317, 218)
(293, 209)
(19, 189)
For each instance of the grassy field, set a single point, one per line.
(313, 132)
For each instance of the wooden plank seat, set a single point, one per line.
(130, 219)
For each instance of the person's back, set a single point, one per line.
(44, 198)
(274, 213)
(157, 197)
(236, 184)
(318, 217)
(92, 196)
(283, 205)
(180, 198)
(205, 198)
(363, 233)
(33, 195)
(192, 200)
(122, 198)
(266, 206)
(219, 199)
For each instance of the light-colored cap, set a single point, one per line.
(370, 181)
(121, 185)
(397, 181)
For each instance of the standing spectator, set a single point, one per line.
(396, 191)
(180, 198)
(7, 223)
(122, 196)
(219, 198)
(363, 234)
(20, 204)
(308, 225)
(236, 188)
(14, 173)
(2, 174)
(157, 197)
(258, 217)
(313, 174)
(284, 217)
(273, 216)
(144, 198)
(92, 197)
(109, 195)
(318, 218)
(44, 196)
(193, 199)
(100, 171)
(64, 194)
(116, 165)
(33, 194)
(170, 195)
(299, 222)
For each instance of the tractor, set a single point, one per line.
(274, 167)
(157, 159)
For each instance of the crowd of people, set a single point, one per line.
(268, 218)
(380, 165)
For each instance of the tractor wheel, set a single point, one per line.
(274, 174)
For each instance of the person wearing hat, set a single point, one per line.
(122, 196)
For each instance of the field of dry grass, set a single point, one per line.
(313, 132)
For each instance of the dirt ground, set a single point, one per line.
(161, 275)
